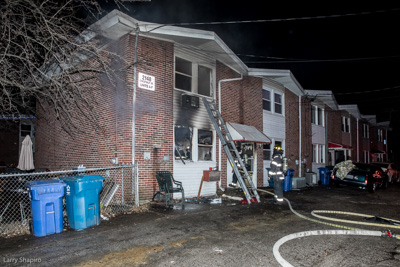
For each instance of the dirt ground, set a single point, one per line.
(226, 234)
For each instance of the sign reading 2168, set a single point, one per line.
(146, 81)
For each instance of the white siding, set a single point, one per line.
(190, 175)
(318, 134)
(274, 125)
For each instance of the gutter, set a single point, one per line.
(300, 161)
(137, 30)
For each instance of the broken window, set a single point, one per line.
(204, 83)
(205, 144)
(183, 142)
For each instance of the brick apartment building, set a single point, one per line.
(183, 65)
(341, 132)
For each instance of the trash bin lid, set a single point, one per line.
(82, 178)
(41, 183)
(39, 190)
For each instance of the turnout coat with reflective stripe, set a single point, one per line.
(276, 167)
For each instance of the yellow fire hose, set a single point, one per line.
(348, 231)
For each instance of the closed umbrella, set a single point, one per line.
(26, 157)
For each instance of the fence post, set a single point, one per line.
(136, 182)
(122, 186)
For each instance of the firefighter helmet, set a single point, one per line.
(278, 149)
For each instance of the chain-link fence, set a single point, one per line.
(117, 196)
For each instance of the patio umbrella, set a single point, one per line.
(26, 157)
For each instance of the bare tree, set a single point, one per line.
(44, 52)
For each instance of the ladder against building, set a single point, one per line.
(244, 179)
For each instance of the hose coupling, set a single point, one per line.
(388, 233)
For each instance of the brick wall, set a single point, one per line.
(241, 103)
(292, 130)
(95, 136)
(154, 113)
(95, 146)
(306, 136)
(334, 126)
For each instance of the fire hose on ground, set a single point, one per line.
(346, 230)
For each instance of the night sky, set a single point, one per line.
(352, 50)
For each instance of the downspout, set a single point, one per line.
(137, 30)
(219, 109)
(300, 161)
(326, 138)
(387, 151)
(358, 143)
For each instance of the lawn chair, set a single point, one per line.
(166, 184)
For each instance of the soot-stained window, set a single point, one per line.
(183, 142)
(205, 143)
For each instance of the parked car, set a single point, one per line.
(366, 176)
(391, 169)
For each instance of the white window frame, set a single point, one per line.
(365, 130)
(195, 146)
(272, 101)
(268, 100)
(269, 151)
(380, 135)
(195, 74)
(345, 124)
(366, 156)
(275, 103)
(318, 151)
(315, 116)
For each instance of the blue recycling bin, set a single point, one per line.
(323, 176)
(46, 205)
(287, 183)
(82, 197)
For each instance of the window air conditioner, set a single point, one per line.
(190, 101)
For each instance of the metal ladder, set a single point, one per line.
(226, 140)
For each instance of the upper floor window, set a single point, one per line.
(278, 103)
(345, 124)
(192, 77)
(267, 100)
(272, 101)
(317, 115)
(380, 135)
(365, 130)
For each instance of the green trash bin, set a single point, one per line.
(82, 197)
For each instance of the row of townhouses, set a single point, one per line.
(163, 125)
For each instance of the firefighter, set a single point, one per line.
(276, 173)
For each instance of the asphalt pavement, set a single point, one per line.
(226, 234)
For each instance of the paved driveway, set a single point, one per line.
(227, 234)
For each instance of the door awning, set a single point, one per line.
(332, 145)
(247, 133)
(377, 151)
